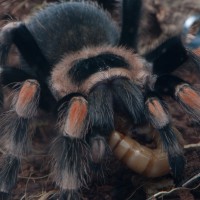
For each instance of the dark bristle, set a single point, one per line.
(128, 99)
(166, 84)
(47, 101)
(130, 22)
(101, 109)
(9, 167)
(168, 56)
(157, 114)
(15, 133)
(30, 51)
(70, 160)
(11, 75)
(21, 131)
(177, 164)
(6, 40)
(174, 150)
(4, 50)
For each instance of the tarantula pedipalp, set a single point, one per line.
(81, 72)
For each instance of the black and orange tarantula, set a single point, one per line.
(75, 61)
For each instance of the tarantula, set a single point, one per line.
(76, 64)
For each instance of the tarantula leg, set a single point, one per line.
(6, 40)
(70, 152)
(9, 76)
(164, 57)
(15, 133)
(9, 167)
(158, 116)
(130, 22)
(17, 33)
(187, 96)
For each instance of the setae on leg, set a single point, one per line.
(15, 134)
(69, 151)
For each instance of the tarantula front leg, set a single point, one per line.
(15, 133)
(159, 118)
(70, 152)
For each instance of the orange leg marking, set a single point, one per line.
(76, 117)
(26, 97)
(157, 111)
(189, 97)
(27, 93)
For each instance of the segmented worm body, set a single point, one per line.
(139, 158)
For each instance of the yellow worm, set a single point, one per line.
(139, 158)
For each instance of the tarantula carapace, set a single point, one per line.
(73, 62)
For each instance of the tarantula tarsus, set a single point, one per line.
(72, 61)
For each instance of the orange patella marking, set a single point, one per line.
(189, 97)
(156, 109)
(27, 93)
(76, 116)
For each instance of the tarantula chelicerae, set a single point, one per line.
(73, 62)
